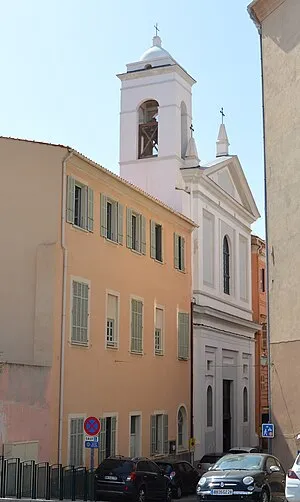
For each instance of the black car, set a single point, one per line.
(252, 476)
(134, 479)
(244, 449)
(184, 477)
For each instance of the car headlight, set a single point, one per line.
(202, 481)
(248, 480)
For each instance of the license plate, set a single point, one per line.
(222, 492)
(111, 478)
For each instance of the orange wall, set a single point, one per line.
(100, 380)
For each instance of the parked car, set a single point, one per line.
(292, 483)
(131, 478)
(208, 461)
(184, 477)
(244, 449)
(255, 476)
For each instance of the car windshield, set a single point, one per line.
(249, 462)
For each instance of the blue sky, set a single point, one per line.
(59, 59)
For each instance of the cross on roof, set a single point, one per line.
(156, 28)
(222, 114)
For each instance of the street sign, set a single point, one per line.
(267, 430)
(192, 443)
(92, 426)
(91, 444)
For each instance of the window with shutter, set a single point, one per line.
(159, 434)
(111, 219)
(136, 231)
(156, 241)
(183, 335)
(112, 317)
(76, 441)
(179, 252)
(80, 313)
(107, 438)
(136, 344)
(80, 204)
(159, 332)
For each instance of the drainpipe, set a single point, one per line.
(267, 238)
(63, 316)
(192, 374)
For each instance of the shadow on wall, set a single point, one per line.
(287, 15)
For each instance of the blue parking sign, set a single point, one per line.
(267, 430)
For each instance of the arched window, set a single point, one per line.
(209, 406)
(148, 129)
(184, 131)
(182, 428)
(226, 266)
(245, 404)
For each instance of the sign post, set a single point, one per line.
(92, 428)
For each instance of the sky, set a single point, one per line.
(59, 60)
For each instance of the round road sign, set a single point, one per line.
(92, 426)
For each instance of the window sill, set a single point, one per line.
(136, 252)
(113, 347)
(158, 261)
(76, 227)
(181, 271)
(159, 354)
(183, 358)
(111, 241)
(80, 344)
(136, 353)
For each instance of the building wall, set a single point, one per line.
(115, 381)
(30, 293)
(281, 65)
(259, 285)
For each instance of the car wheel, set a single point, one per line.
(264, 496)
(141, 495)
(169, 494)
(178, 492)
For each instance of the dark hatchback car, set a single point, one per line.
(184, 477)
(135, 479)
(208, 461)
(251, 476)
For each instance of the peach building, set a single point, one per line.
(95, 310)
(259, 305)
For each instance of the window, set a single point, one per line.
(80, 312)
(262, 280)
(245, 404)
(209, 407)
(156, 241)
(159, 434)
(245, 369)
(226, 266)
(80, 204)
(179, 252)
(76, 441)
(182, 428)
(209, 365)
(135, 435)
(111, 219)
(112, 318)
(107, 438)
(183, 335)
(136, 231)
(148, 129)
(136, 326)
(159, 332)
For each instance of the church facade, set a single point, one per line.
(158, 154)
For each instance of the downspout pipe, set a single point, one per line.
(63, 316)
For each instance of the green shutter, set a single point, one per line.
(70, 199)
(103, 215)
(143, 234)
(102, 441)
(165, 435)
(120, 224)
(90, 210)
(176, 251)
(113, 435)
(152, 240)
(182, 245)
(84, 207)
(152, 434)
(129, 228)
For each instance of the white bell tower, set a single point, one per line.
(156, 126)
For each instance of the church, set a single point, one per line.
(158, 154)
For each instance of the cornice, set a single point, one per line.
(259, 10)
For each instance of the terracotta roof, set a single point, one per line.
(107, 171)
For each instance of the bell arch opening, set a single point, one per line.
(148, 129)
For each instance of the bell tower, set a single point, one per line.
(155, 126)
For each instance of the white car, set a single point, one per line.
(292, 483)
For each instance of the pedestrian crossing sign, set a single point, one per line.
(267, 430)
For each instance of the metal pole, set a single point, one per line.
(92, 459)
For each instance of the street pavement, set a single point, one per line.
(189, 498)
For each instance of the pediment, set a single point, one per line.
(228, 175)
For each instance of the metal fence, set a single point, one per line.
(44, 481)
